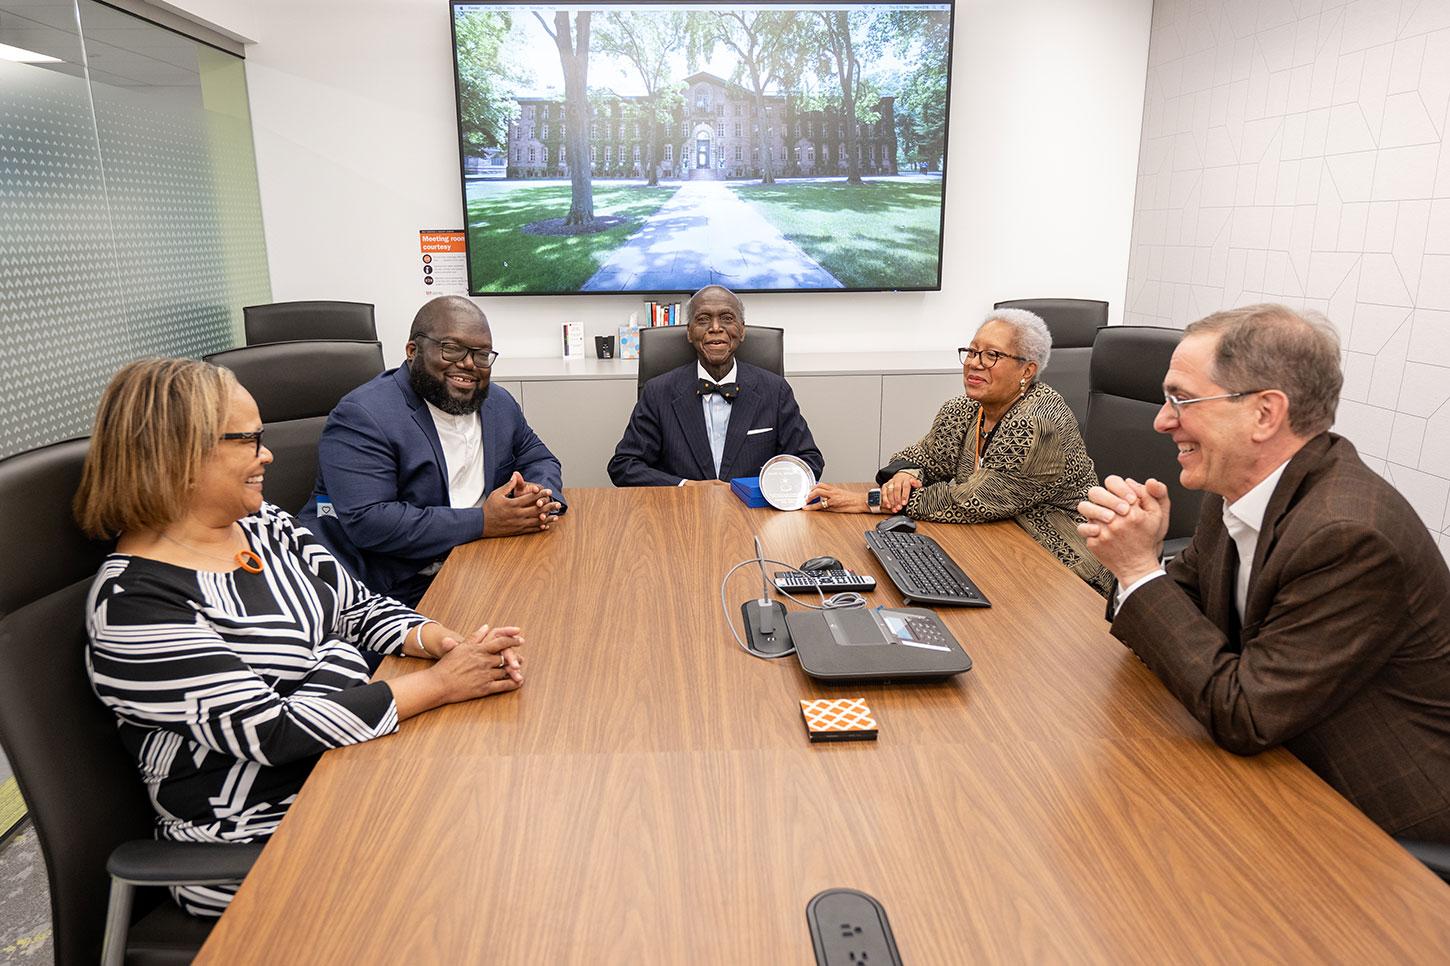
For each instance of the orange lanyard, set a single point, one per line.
(979, 434)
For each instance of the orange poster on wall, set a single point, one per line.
(443, 261)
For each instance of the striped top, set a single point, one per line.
(228, 686)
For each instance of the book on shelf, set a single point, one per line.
(663, 313)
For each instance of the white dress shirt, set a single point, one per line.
(1243, 519)
(717, 413)
(462, 439)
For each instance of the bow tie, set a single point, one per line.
(727, 390)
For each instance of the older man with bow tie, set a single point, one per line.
(715, 419)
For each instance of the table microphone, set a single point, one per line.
(765, 618)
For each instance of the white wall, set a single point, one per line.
(352, 107)
(1298, 154)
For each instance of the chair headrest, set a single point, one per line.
(317, 319)
(1131, 361)
(295, 380)
(665, 347)
(1072, 322)
(45, 550)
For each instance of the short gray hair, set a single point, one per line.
(1032, 337)
(1269, 346)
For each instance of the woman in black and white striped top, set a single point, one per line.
(223, 636)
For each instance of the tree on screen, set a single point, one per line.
(485, 96)
(574, 61)
(922, 38)
(842, 62)
(648, 42)
(766, 45)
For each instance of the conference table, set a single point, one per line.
(650, 796)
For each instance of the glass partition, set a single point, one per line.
(130, 222)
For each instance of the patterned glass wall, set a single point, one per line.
(130, 222)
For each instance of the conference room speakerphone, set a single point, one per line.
(830, 581)
(875, 644)
(923, 571)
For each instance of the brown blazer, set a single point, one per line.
(1344, 652)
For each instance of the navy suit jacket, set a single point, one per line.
(666, 440)
(381, 466)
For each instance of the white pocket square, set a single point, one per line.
(757, 432)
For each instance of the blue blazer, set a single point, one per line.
(381, 467)
(666, 440)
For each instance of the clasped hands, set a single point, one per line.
(519, 506)
(1125, 522)
(481, 663)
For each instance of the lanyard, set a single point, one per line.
(979, 434)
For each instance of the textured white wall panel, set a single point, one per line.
(1295, 152)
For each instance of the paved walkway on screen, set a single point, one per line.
(706, 235)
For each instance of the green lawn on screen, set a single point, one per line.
(507, 259)
(881, 234)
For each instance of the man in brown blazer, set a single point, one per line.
(1312, 608)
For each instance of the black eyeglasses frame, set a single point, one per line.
(964, 354)
(447, 349)
(255, 436)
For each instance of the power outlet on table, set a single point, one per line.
(850, 928)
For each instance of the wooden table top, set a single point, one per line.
(649, 795)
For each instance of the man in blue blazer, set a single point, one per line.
(428, 456)
(714, 419)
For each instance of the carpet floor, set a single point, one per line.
(24, 902)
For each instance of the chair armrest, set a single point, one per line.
(148, 862)
(1435, 856)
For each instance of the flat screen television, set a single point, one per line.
(660, 147)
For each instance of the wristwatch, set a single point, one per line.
(873, 500)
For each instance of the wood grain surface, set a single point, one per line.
(649, 795)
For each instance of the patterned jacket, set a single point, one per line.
(1034, 471)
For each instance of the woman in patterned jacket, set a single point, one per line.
(1008, 449)
(223, 636)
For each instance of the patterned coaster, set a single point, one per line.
(839, 719)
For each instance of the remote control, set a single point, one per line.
(830, 581)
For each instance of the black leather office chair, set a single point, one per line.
(1435, 857)
(1074, 324)
(81, 785)
(1125, 393)
(664, 347)
(296, 385)
(292, 321)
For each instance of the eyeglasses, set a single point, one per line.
(453, 352)
(1178, 404)
(255, 438)
(989, 357)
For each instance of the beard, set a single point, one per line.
(435, 391)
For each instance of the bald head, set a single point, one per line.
(713, 292)
(446, 311)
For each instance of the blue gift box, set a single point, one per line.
(748, 489)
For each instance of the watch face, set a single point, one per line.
(873, 498)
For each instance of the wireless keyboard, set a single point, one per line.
(922, 571)
(830, 581)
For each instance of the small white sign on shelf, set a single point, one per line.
(573, 333)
